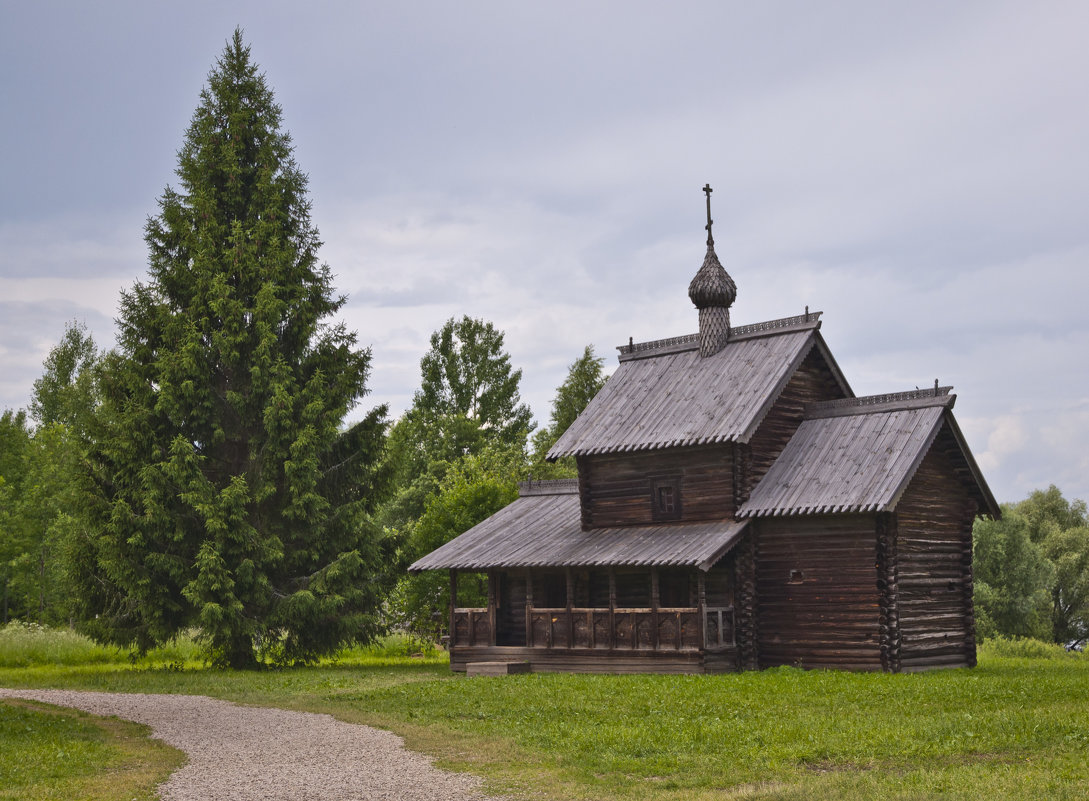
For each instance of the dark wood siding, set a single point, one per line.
(934, 571)
(812, 381)
(817, 599)
(616, 489)
(511, 611)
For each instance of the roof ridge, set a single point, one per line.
(548, 486)
(692, 341)
(772, 325)
(888, 402)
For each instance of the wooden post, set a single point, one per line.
(654, 608)
(701, 604)
(570, 603)
(453, 606)
(492, 603)
(612, 609)
(529, 608)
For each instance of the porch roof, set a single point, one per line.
(544, 529)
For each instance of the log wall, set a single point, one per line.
(746, 594)
(934, 550)
(817, 602)
(615, 489)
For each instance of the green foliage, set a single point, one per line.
(1068, 550)
(468, 404)
(469, 394)
(473, 490)
(1012, 576)
(66, 393)
(30, 644)
(585, 378)
(1032, 570)
(226, 493)
(1025, 648)
(40, 501)
(16, 539)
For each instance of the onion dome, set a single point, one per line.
(712, 285)
(713, 291)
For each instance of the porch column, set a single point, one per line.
(529, 608)
(612, 608)
(492, 616)
(570, 603)
(701, 604)
(453, 605)
(654, 608)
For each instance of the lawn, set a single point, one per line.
(1017, 726)
(52, 753)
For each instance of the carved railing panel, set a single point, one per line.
(472, 627)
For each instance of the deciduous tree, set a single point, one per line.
(1032, 569)
(585, 378)
(478, 486)
(469, 393)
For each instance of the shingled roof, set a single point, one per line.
(543, 528)
(664, 394)
(858, 455)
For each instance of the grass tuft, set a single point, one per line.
(1026, 648)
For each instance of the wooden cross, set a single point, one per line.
(710, 239)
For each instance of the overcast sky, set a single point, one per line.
(918, 171)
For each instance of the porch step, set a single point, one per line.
(496, 668)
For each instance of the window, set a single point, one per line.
(665, 498)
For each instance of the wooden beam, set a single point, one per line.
(529, 608)
(612, 608)
(453, 606)
(654, 608)
(569, 578)
(701, 604)
(492, 603)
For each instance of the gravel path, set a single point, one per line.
(242, 752)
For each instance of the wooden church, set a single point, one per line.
(736, 507)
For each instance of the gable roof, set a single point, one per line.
(858, 455)
(664, 394)
(543, 528)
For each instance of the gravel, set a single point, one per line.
(242, 752)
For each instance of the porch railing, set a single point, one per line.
(471, 627)
(663, 629)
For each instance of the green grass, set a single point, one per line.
(50, 753)
(1017, 726)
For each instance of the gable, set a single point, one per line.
(664, 394)
(816, 379)
(858, 455)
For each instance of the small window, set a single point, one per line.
(665, 498)
(796, 577)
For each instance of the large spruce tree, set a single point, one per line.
(228, 494)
